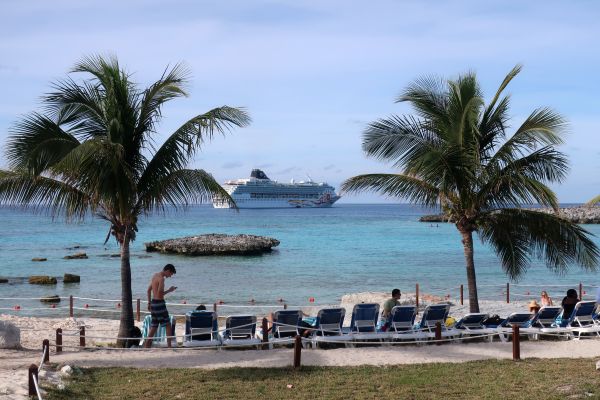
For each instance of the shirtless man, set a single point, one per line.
(156, 303)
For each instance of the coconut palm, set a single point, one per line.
(594, 201)
(93, 150)
(456, 154)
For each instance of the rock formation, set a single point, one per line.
(50, 299)
(75, 256)
(42, 280)
(3, 280)
(39, 259)
(71, 278)
(214, 244)
(579, 215)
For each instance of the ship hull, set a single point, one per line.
(278, 203)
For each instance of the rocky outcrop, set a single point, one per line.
(578, 215)
(76, 256)
(42, 280)
(71, 278)
(3, 280)
(434, 218)
(214, 244)
(10, 336)
(39, 259)
(50, 299)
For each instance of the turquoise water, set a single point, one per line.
(324, 253)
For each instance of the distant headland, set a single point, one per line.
(578, 214)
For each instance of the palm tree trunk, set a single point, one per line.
(467, 240)
(126, 322)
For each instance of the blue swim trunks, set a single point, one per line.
(159, 313)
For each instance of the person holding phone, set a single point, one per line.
(156, 303)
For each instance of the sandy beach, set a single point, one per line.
(14, 363)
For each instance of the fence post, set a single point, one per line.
(58, 340)
(438, 332)
(297, 351)
(33, 374)
(215, 307)
(417, 294)
(82, 336)
(507, 292)
(71, 306)
(265, 334)
(580, 291)
(138, 311)
(284, 306)
(46, 349)
(461, 295)
(516, 343)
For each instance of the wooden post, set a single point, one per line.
(58, 340)
(265, 337)
(71, 306)
(507, 292)
(297, 351)
(137, 310)
(82, 336)
(46, 348)
(417, 294)
(215, 307)
(580, 291)
(33, 374)
(438, 332)
(516, 343)
(284, 306)
(461, 295)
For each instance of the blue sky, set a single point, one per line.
(312, 74)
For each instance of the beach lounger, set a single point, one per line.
(160, 337)
(240, 330)
(201, 329)
(431, 316)
(472, 325)
(328, 326)
(402, 321)
(285, 326)
(505, 328)
(582, 320)
(363, 325)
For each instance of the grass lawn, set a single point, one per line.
(529, 379)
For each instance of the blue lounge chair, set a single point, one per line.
(285, 323)
(328, 326)
(582, 320)
(505, 328)
(240, 330)
(402, 321)
(431, 316)
(472, 325)
(160, 337)
(363, 325)
(544, 319)
(201, 329)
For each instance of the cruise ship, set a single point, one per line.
(259, 191)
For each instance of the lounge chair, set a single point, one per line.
(363, 325)
(201, 329)
(505, 328)
(431, 316)
(240, 330)
(472, 325)
(582, 320)
(402, 321)
(160, 337)
(285, 326)
(328, 326)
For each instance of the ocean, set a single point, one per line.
(324, 254)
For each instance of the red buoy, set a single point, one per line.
(86, 305)
(311, 299)
(252, 301)
(221, 302)
(118, 305)
(183, 302)
(17, 307)
(53, 306)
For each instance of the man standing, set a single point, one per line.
(157, 305)
(387, 308)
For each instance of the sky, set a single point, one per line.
(313, 74)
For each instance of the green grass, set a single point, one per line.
(530, 379)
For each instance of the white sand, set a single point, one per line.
(14, 363)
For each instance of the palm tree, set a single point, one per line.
(594, 201)
(456, 154)
(93, 151)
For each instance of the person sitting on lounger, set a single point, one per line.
(387, 308)
(201, 307)
(157, 305)
(568, 303)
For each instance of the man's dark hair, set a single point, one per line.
(170, 267)
(201, 307)
(395, 292)
(572, 293)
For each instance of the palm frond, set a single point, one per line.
(594, 201)
(40, 192)
(519, 235)
(181, 188)
(36, 143)
(429, 97)
(394, 185)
